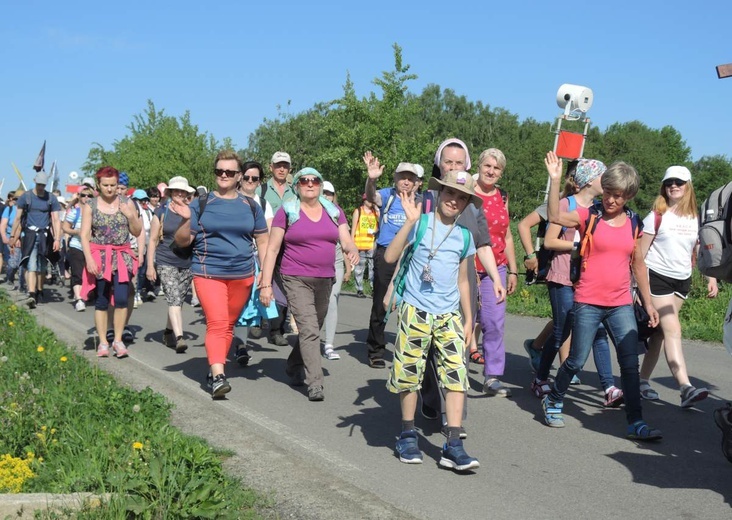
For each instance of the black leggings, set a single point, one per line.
(104, 288)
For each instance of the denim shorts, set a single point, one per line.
(36, 262)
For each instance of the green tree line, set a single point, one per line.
(399, 125)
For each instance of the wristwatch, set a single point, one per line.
(530, 256)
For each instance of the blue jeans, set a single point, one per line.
(620, 324)
(561, 298)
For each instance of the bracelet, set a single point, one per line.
(265, 287)
(530, 256)
(512, 272)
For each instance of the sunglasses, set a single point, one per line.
(304, 181)
(229, 173)
(673, 182)
(250, 178)
(84, 195)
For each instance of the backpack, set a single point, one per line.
(400, 279)
(715, 235)
(544, 256)
(579, 261)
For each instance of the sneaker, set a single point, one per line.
(195, 302)
(127, 335)
(161, 292)
(534, 355)
(254, 332)
(148, 296)
(120, 350)
(315, 393)
(640, 431)
(575, 380)
(169, 338)
(407, 448)
(429, 413)
(219, 385)
(494, 387)
(463, 433)
(360, 294)
(278, 339)
(613, 397)
(541, 388)
(180, 345)
(103, 350)
(329, 353)
(647, 392)
(138, 301)
(242, 356)
(691, 395)
(31, 301)
(80, 306)
(110, 336)
(454, 457)
(296, 376)
(552, 412)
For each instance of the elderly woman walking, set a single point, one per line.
(306, 229)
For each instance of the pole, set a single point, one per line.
(20, 176)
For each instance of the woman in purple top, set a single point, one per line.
(306, 229)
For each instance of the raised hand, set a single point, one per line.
(180, 208)
(128, 208)
(374, 167)
(411, 210)
(553, 166)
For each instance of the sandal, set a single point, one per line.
(476, 357)
(640, 431)
(377, 363)
(648, 393)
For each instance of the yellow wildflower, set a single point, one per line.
(40, 348)
(10, 324)
(64, 359)
(137, 445)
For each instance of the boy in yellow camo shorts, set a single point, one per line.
(435, 290)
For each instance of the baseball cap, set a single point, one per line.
(677, 172)
(281, 157)
(408, 167)
(139, 194)
(328, 186)
(88, 181)
(41, 178)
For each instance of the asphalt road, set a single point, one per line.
(335, 459)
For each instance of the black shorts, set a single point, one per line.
(666, 286)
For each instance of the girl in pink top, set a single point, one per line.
(603, 292)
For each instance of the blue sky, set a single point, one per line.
(75, 73)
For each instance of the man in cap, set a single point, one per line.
(37, 218)
(276, 191)
(392, 218)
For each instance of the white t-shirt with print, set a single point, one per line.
(670, 252)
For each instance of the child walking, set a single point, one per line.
(435, 290)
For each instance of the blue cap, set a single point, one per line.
(140, 194)
(124, 179)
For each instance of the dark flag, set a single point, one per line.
(54, 177)
(38, 165)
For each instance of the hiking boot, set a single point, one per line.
(407, 448)
(180, 345)
(552, 412)
(494, 387)
(219, 386)
(315, 393)
(278, 339)
(242, 356)
(691, 395)
(455, 458)
(169, 338)
(80, 306)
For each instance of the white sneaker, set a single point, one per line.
(161, 292)
(80, 306)
(138, 301)
(329, 353)
(195, 302)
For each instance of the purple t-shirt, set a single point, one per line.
(308, 248)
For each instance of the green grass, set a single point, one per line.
(81, 431)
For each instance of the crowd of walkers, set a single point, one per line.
(253, 251)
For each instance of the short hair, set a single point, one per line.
(496, 154)
(228, 155)
(621, 176)
(253, 164)
(153, 192)
(106, 172)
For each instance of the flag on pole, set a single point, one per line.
(2, 183)
(41, 159)
(20, 176)
(54, 177)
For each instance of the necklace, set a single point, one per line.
(427, 270)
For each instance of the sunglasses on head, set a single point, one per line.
(250, 178)
(673, 182)
(229, 173)
(304, 181)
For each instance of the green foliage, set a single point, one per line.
(80, 431)
(157, 148)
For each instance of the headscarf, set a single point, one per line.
(587, 171)
(292, 206)
(462, 145)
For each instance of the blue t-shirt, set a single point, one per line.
(392, 221)
(442, 295)
(73, 217)
(222, 240)
(9, 213)
(38, 209)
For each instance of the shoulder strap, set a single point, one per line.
(421, 229)
(389, 202)
(572, 203)
(202, 201)
(466, 242)
(263, 190)
(504, 195)
(656, 222)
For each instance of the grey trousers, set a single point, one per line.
(307, 298)
(331, 320)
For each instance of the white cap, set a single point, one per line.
(327, 186)
(677, 172)
(88, 181)
(61, 200)
(420, 170)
